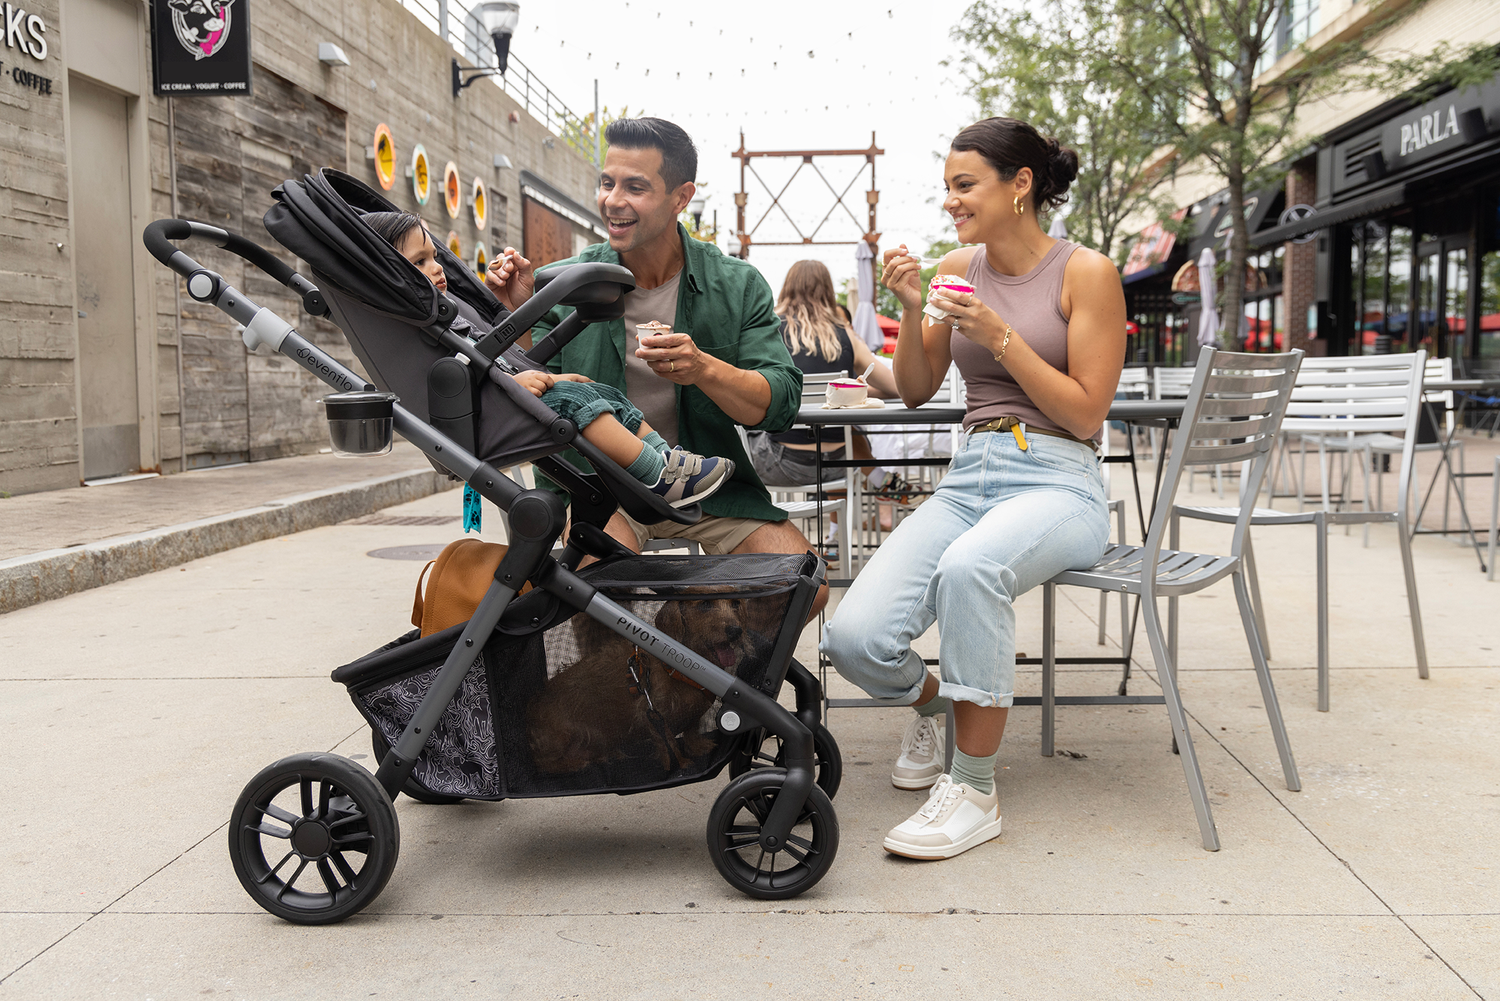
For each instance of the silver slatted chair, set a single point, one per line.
(1232, 412)
(1342, 403)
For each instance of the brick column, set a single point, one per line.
(1299, 266)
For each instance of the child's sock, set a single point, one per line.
(656, 443)
(976, 773)
(648, 466)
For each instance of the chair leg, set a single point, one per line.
(1103, 610)
(1049, 667)
(1494, 517)
(1164, 667)
(1364, 504)
(1321, 528)
(1260, 609)
(1418, 638)
(1173, 532)
(950, 739)
(1267, 689)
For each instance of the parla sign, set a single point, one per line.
(24, 32)
(1455, 120)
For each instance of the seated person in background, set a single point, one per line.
(602, 414)
(818, 344)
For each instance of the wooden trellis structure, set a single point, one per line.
(746, 235)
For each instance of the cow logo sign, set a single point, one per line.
(202, 26)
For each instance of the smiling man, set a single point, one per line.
(724, 363)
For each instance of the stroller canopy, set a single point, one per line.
(319, 218)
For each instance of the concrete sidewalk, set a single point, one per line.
(137, 712)
(59, 542)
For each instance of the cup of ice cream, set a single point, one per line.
(846, 393)
(650, 329)
(948, 285)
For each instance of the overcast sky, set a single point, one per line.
(816, 74)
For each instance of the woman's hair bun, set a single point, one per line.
(1062, 163)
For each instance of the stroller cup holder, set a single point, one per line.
(360, 423)
(634, 674)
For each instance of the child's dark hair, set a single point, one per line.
(1008, 145)
(392, 227)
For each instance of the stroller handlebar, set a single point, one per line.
(161, 236)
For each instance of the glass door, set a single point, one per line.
(1443, 296)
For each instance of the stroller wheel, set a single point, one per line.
(734, 834)
(412, 788)
(330, 829)
(765, 751)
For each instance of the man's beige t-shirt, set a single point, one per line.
(654, 396)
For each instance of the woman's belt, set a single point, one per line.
(1017, 427)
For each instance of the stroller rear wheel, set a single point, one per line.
(734, 834)
(412, 788)
(330, 827)
(766, 751)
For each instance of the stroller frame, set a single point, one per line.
(786, 794)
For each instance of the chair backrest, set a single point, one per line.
(1135, 380)
(1233, 410)
(1440, 370)
(1361, 395)
(1173, 383)
(815, 384)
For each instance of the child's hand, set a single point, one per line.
(512, 278)
(573, 377)
(537, 382)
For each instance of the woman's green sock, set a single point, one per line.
(976, 773)
(935, 706)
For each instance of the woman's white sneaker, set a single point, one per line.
(920, 762)
(954, 819)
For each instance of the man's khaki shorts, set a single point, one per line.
(717, 536)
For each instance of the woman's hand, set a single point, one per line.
(968, 314)
(903, 275)
(539, 382)
(512, 278)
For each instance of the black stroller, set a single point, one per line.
(634, 673)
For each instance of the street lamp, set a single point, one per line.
(498, 19)
(695, 209)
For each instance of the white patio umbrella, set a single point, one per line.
(866, 327)
(1208, 320)
(1058, 230)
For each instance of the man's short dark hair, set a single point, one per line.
(679, 157)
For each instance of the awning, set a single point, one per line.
(1359, 208)
(1150, 252)
(1213, 232)
(536, 188)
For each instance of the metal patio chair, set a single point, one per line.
(1341, 403)
(1232, 411)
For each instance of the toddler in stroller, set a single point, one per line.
(635, 673)
(602, 414)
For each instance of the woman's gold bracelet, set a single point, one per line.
(1005, 343)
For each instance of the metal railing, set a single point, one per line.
(452, 21)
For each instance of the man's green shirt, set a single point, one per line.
(725, 305)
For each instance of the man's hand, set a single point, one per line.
(674, 357)
(512, 278)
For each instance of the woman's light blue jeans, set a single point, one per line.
(1001, 522)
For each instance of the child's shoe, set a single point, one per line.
(688, 478)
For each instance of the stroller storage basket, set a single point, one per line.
(571, 707)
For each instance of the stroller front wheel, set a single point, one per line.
(734, 838)
(766, 750)
(330, 829)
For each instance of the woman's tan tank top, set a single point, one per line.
(1032, 305)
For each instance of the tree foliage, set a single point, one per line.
(1060, 65)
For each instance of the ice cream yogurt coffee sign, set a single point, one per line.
(24, 33)
(200, 47)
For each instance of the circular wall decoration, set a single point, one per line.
(481, 201)
(481, 258)
(421, 175)
(385, 156)
(452, 194)
(454, 247)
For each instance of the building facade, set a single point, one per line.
(107, 367)
(1384, 233)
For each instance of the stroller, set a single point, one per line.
(631, 674)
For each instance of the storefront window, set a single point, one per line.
(1398, 295)
(1456, 303)
(1487, 355)
(1262, 329)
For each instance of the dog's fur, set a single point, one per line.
(587, 713)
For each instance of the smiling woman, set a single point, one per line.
(1037, 330)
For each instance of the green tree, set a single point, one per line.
(1058, 66)
(1227, 92)
(579, 132)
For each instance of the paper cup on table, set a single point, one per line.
(847, 393)
(949, 284)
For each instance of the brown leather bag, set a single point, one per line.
(461, 574)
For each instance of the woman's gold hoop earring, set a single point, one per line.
(1020, 209)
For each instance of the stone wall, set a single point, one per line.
(216, 159)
